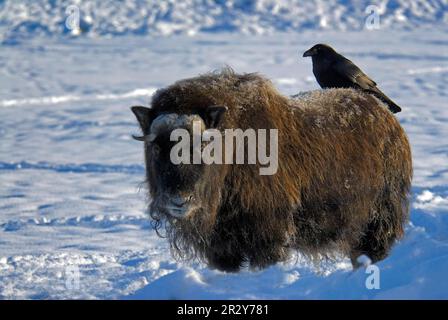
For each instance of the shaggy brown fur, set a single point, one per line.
(342, 184)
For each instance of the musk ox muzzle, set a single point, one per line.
(177, 207)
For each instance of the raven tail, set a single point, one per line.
(393, 107)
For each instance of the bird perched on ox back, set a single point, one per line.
(332, 70)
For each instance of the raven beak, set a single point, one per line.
(308, 53)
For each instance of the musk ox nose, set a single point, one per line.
(173, 205)
(180, 201)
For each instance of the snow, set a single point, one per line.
(72, 193)
(110, 18)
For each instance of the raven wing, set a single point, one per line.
(348, 70)
(351, 72)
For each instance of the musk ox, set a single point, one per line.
(342, 184)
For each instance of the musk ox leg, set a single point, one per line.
(223, 252)
(225, 261)
(380, 233)
(373, 244)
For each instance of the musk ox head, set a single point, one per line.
(177, 190)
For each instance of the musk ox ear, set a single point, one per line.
(213, 115)
(144, 116)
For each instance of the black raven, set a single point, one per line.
(333, 70)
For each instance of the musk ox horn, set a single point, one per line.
(138, 138)
(148, 138)
(170, 121)
(144, 116)
(152, 125)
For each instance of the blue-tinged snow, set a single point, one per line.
(71, 177)
(108, 18)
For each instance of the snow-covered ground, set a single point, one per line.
(71, 179)
(24, 18)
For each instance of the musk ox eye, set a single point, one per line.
(156, 149)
